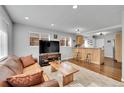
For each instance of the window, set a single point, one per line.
(44, 36)
(65, 41)
(3, 39)
(62, 41)
(68, 41)
(34, 39)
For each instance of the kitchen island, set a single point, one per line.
(93, 55)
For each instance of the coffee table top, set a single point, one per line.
(64, 68)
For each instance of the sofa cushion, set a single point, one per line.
(32, 68)
(14, 65)
(5, 72)
(27, 60)
(50, 83)
(25, 80)
(17, 59)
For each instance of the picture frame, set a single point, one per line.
(55, 36)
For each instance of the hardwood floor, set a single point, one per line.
(109, 68)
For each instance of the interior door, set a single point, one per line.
(109, 48)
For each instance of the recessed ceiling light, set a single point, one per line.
(75, 6)
(52, 24)
(77, 29)
(26, 18)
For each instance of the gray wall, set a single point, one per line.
(21, 41)
(4, 15)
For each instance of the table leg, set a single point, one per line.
(67, 79)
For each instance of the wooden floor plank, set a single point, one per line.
(109, 68)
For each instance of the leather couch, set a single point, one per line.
(12, 66)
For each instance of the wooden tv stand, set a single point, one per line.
(45, 58)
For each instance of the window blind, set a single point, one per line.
(3, 39)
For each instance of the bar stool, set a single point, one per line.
(88, 58)
(78, 56)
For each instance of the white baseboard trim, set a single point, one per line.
(67, 58)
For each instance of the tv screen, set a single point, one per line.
(48, 46)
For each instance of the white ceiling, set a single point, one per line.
(86, 17)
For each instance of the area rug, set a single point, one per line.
(84, 78)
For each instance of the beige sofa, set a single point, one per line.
(13, 66)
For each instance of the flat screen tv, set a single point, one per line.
(48, 46)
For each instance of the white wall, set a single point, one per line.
(99, 43)
(21, 41)
(108, 47)
(89, 42)
(4, 16)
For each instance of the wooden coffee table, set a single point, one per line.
(66, 70)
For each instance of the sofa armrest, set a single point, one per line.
(50, 83)
(35, 59)
(4, 84)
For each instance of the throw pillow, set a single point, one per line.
(23, 80)
(27, 60)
